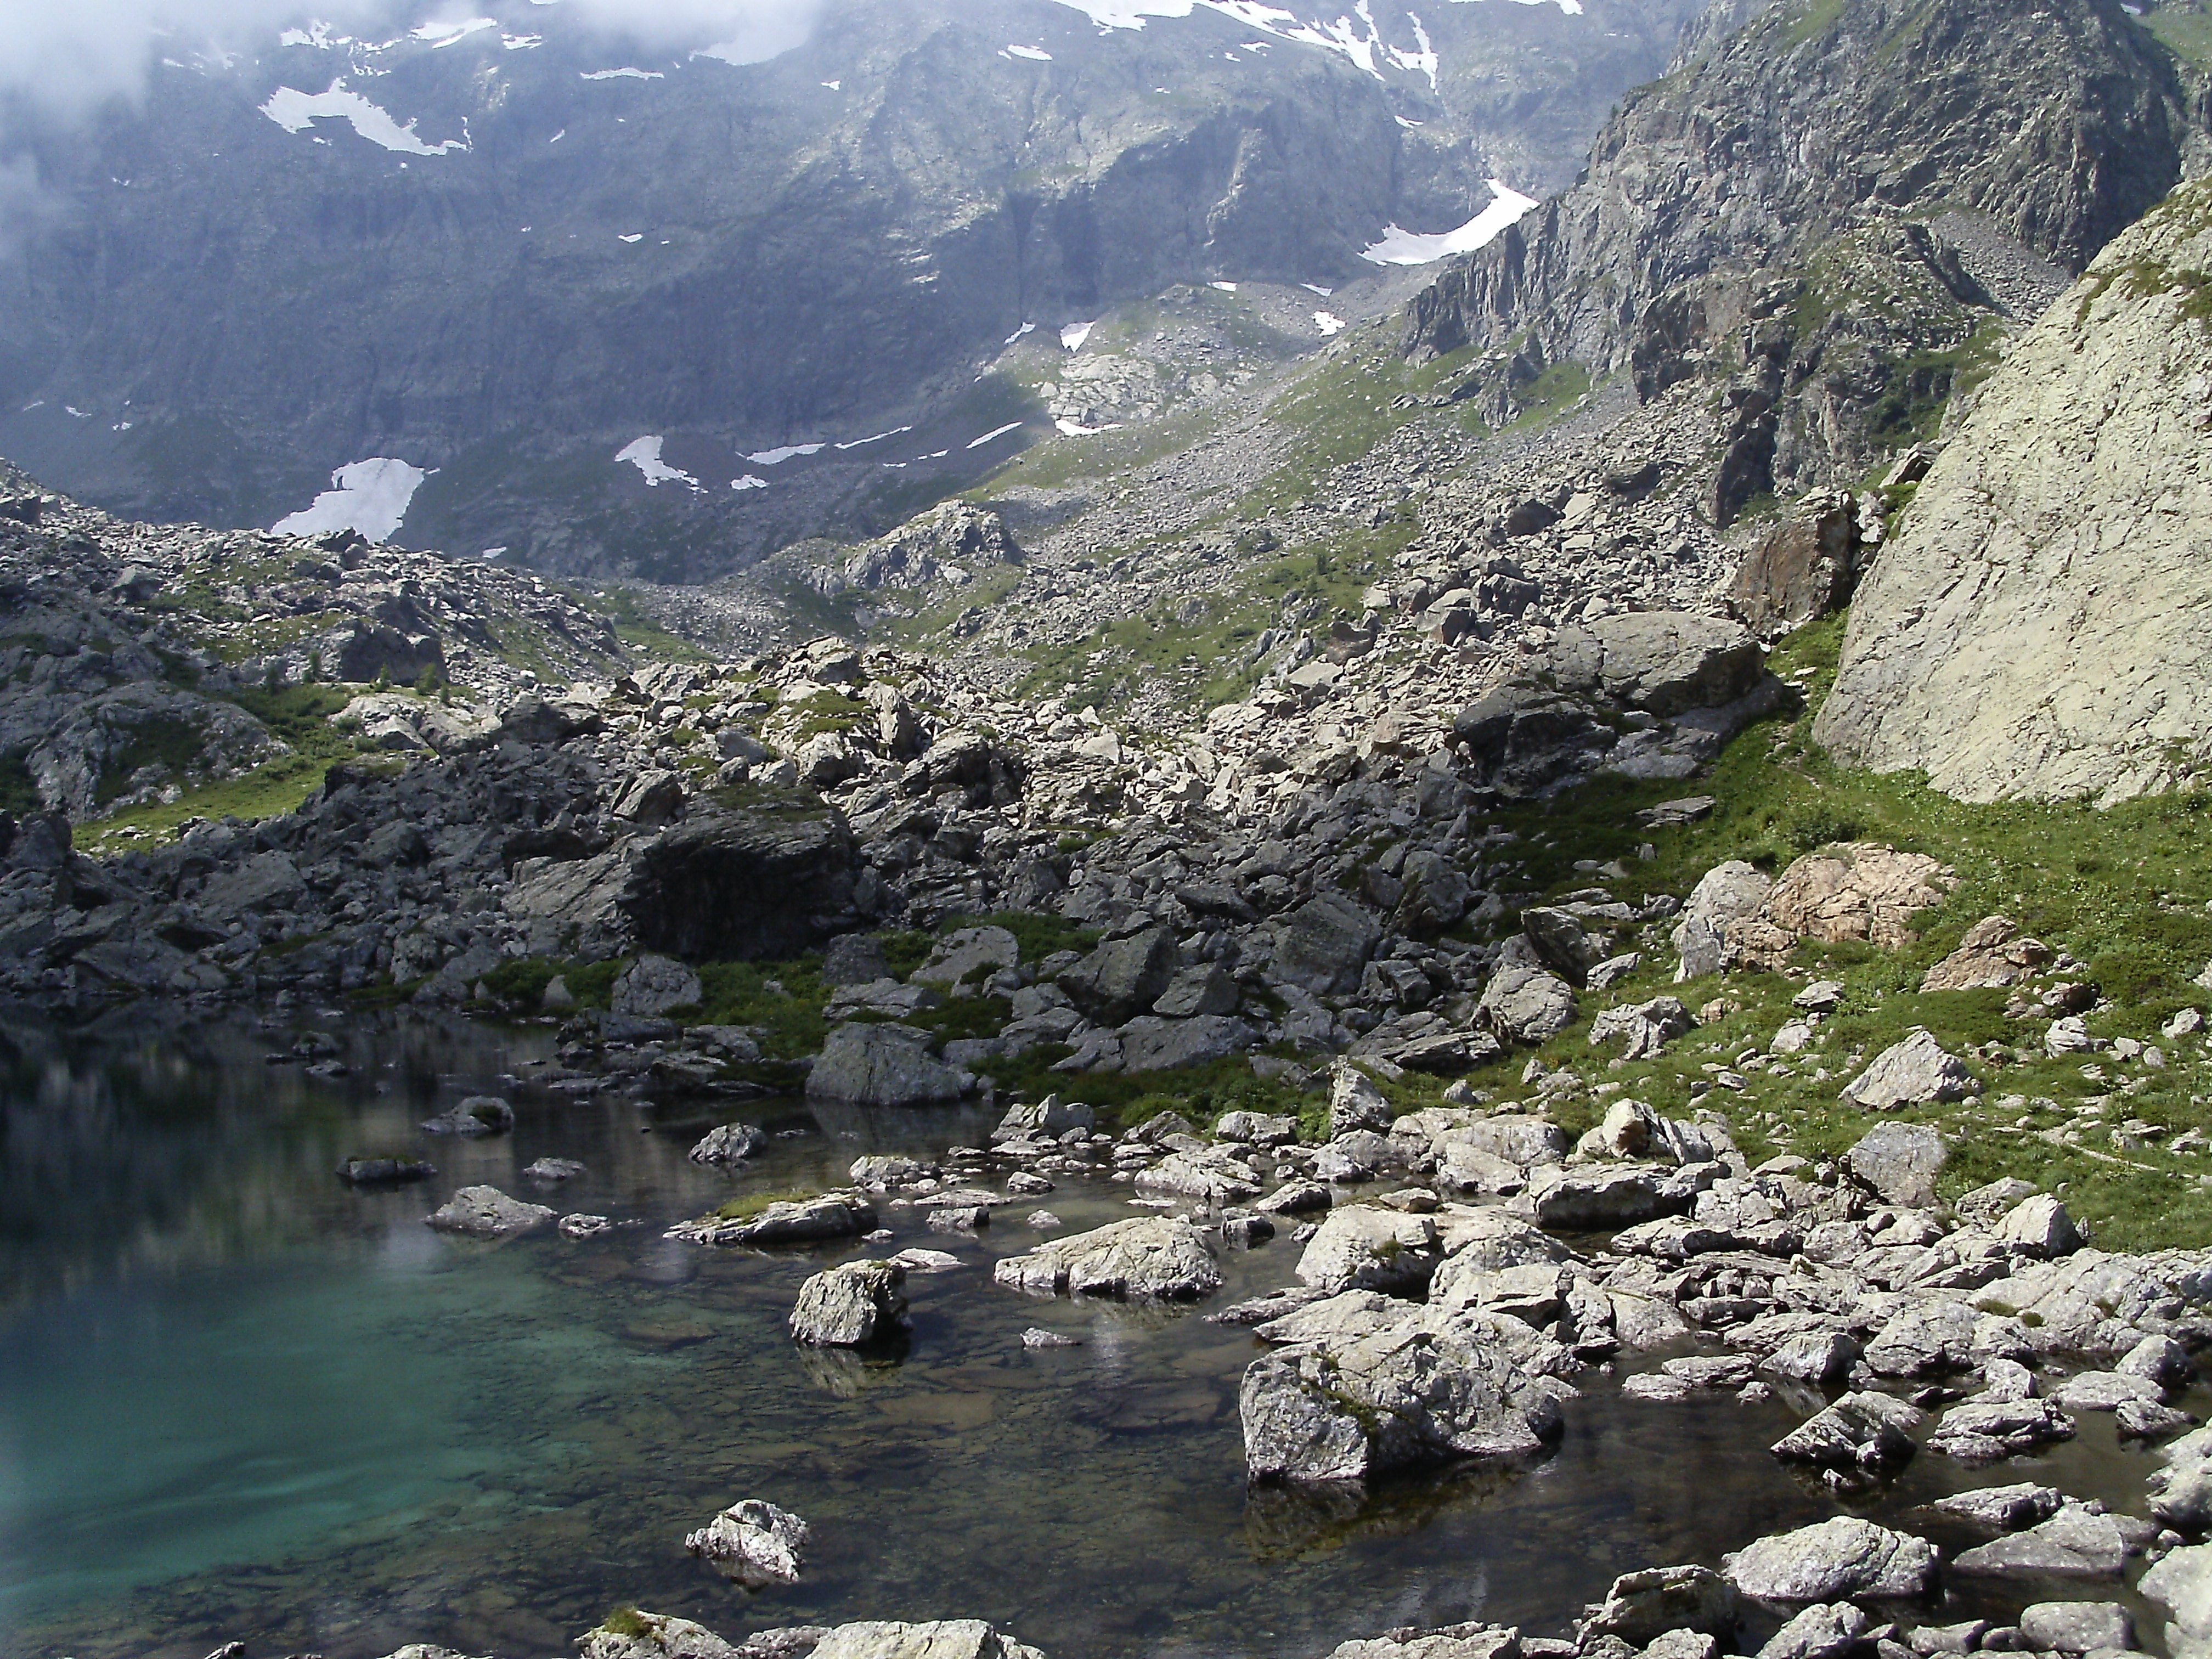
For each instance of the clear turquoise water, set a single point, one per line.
(238, 1400)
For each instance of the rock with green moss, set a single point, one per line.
(631, 1633)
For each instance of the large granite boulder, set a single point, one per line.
(488, 1213)
(768, 881)
(865, 1065)
(1401, 1395)
(1162, 1256)
(2040, 627)
(851, 1305)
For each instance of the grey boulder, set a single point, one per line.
(753, 1542)
(488, 1213)
(1832, 1560)
(1162, 1256)
(882, 1065)
(1911, 1072)
(850, 1305)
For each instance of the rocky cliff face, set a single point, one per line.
(1824, 208)
(506, 256)
(2039, 630)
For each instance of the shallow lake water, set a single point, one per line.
(239, 1399)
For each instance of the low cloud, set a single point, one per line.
(67, 57)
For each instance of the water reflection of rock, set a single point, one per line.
(849, 1373)
(1286, 1522)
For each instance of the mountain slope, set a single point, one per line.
(1840, 187)
(504, 256)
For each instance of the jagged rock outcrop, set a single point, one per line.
(2039, 630)
(1809, 209)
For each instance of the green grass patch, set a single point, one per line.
(2124, 889)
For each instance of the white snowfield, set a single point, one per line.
(1412, 248)
(1073, 335)
(295, 111)
(777, 457)
(370, 497)
(644, 454)
(1035, 54)
(620, 75)
(1355, 34)
(1328, 323)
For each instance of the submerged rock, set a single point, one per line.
(386, 1171)
(754, 1543)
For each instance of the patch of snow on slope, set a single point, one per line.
(634, 236)
(620, 75)
(995, 432)
(749, 482)
(777, 457)
(317, 33)
(1328, 323)
(1409, 247)
(1424, 60)
(1026, 328)
(521, 42)
(1073, 335)
(644, 454)
(1076, 428)
(1316, 288)
(1226, 287)
(294, 111)
(1035, 55)
(444, 34)
(370, 497)
(877, 437)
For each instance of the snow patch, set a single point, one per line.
(294, 111)
(444, 34)
(749, 482)
(316, 34)
(1076, 428)
(995, 432)
(1226, 287)
(634, 236)
(1026, 328)
(878, 437)
(1316, 288)
(1033, 53)
(520, 43)
(1073, 335)
(1410, 247)
(644, 454)
(835, 86)
(1328, 323)
(777, 457)
(620, 75)
(370, 497)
